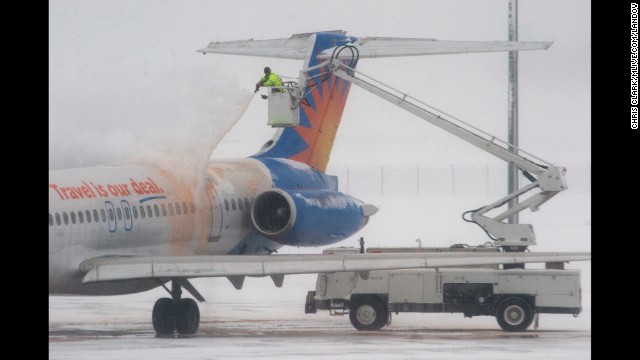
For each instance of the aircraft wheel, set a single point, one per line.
(367, 313)
(188, 317)
(164, 316)
(514, 314)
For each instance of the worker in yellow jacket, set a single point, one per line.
(270, 79)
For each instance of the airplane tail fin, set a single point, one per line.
(325, 95)
(320, 111)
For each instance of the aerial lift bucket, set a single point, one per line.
(283, 111)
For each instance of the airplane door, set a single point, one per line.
(216, 213)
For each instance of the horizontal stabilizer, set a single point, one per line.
(291, 48)
(390, 47)
(166, 267)
(296, 47)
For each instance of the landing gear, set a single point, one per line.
(177, 314)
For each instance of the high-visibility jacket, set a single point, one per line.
(271, 80)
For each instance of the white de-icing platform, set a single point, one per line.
(282, 110)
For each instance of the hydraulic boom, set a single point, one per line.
(547, 178)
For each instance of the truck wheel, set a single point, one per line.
(514, 314)
(367, 313)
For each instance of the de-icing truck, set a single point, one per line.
(514, 296)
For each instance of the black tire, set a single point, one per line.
(310, 303)
(514, 314)
(187, 317)
(164, 316)
(368, 313)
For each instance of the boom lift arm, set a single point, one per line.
(548, 178)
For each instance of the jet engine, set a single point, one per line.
(308, 217)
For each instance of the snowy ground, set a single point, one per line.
(265, 322)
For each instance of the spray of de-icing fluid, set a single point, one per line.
(172, 121)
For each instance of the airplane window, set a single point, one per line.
(127, 214)
(135, 212)
(88, 215)
(246, 204)
(57, 219)
(65, 218)
(111, 216)
(164, 210)
(178, 209)
(170, 209)
(149, 211)
(119, 211)
(73, 217)
(184, 208)
(142, 211)
(193, 208)
(95, 215)
(80, 217)
(226, 204)
(157, 211)
(233, 204)
(50, 220)
(240, 204)
(103, 215)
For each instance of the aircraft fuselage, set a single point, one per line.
(148, 211)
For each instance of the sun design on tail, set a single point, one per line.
(319, 121)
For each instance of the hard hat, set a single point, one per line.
(267, 70)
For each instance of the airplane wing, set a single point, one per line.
(110, 268)
(297, 45)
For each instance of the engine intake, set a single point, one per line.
(273, 213)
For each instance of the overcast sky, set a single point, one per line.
(121, 70)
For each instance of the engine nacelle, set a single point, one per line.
(308, 217)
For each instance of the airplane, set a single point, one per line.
(125, 229)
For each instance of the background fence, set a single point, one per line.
(427, 181)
